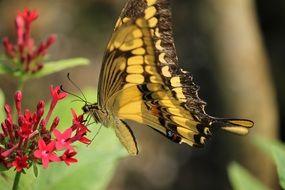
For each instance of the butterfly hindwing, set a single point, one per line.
(152, 105)
(126, 137)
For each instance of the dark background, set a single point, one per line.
(271, 21)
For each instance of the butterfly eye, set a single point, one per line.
(85, 109)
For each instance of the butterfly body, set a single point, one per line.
(141, 81)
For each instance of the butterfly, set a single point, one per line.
(140, 80)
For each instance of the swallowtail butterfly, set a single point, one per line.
(141, 81)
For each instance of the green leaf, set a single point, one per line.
(36, 170)
(279, 157)
(4, 69)
(241, 179)
(265, 144)
(56, 66)
(6, 180)
(276, 150)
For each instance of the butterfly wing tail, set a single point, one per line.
(235, 126)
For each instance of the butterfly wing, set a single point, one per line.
(126, 137)
(158, 109)
(178, 81)
(141, 79)
(129, 50)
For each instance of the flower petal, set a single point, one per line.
(38, 154)
(51, 146)
(41, 144)
(67, 133)
(57, 134)
(54, 157)
(45, 162)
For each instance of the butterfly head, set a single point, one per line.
(96, 111)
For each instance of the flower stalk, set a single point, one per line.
(16, 181)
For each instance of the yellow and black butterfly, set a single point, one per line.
(141, 81)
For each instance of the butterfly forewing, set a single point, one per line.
(128, 60)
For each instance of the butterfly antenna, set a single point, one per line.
(80, 98)
(76, 86)
(76, 100)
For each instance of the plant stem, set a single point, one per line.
(16, 181)
(20, 84)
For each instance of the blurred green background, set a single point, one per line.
(235, 51)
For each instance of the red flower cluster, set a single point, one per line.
(26, 56)
(29, 141)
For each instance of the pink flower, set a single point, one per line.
(84, 139)
(23, 26)
(9, 47)
(25, 131)
(29, 140)
(77, 120)
(24, 53)
(54, 123)
(56, 95)
(80, 128)
(63, 139)
(20, 163)
(46, 152)
(8, 111)
(79, 123)
(28, 16)
(18, 99)
(67, 157)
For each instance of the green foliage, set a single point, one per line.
(49, 68)
(4, 69)
(241, 179)
(266, 145)
(96, 162)
(36, 170)
(279, 158)
(56, 66)
(276, 150)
